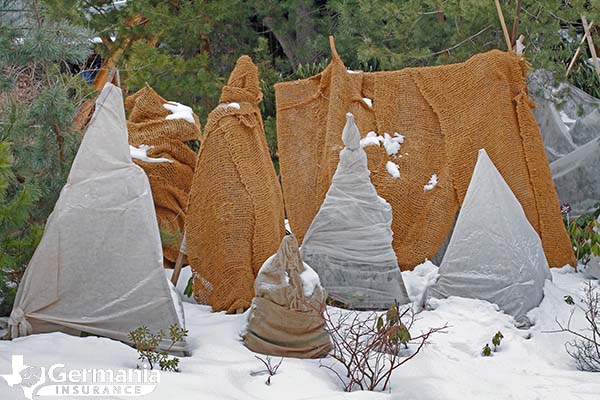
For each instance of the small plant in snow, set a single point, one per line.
(371, 346)
(487, 351)
(585, 346)
(584, 232)
(569, 300)
(147, 345)
(497, 339)
(271, 369)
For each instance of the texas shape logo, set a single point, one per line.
(28, 377)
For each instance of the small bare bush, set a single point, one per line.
(270, 368)
(371, 346)
(585, 346)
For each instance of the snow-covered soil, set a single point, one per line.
(530, 364)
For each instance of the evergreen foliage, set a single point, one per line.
(186, 49)
(38, 100)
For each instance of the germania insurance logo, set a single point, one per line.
(60, 381)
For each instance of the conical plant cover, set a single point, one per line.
(446, 114)
(494, 253)
(98, 268)
(286, 318)
(235, 217)
(349, 243)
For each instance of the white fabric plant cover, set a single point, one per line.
(569, 120)
(349, 243)
(98, 268)
(494, 253)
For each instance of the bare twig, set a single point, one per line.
(271, 369)
(449, 49)
(371, 346)
(585, 348)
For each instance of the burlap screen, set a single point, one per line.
(235, 212)
(446, 114)
(170, 182)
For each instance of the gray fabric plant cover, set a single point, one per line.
(494, 253)
(349, 242)
(98, 268)
(569, 120)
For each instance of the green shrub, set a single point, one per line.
(147, 346)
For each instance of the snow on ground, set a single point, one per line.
(530, 364)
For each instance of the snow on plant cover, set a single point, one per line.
(179, 111)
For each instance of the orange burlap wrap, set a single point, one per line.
(170, 181)
(446, 114)
(235, 212)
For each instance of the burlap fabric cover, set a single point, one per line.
(170, 181)
(494, 253)
(349, 243)
(235, 213)
(446, 114)
(286, 318)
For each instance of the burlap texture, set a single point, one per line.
(284, 321)
(447, 114)
(235, 212)
(170, 181)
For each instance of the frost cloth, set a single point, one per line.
(349, 243)
(494, 253)
(98, 268)
(446, 114)
(569, 120)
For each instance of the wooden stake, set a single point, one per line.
(503, 23)
(578, 51)
(588, 34)
(181, 259)
(515, 27)
(334, 52)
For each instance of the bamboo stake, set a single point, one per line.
(181, 259)
(578, 51)
(588, 34)
(503, 23)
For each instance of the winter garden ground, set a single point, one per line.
(529, 364)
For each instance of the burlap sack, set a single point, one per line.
(170, 181)
(446, 114)
(286, 318)
(235, 212)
